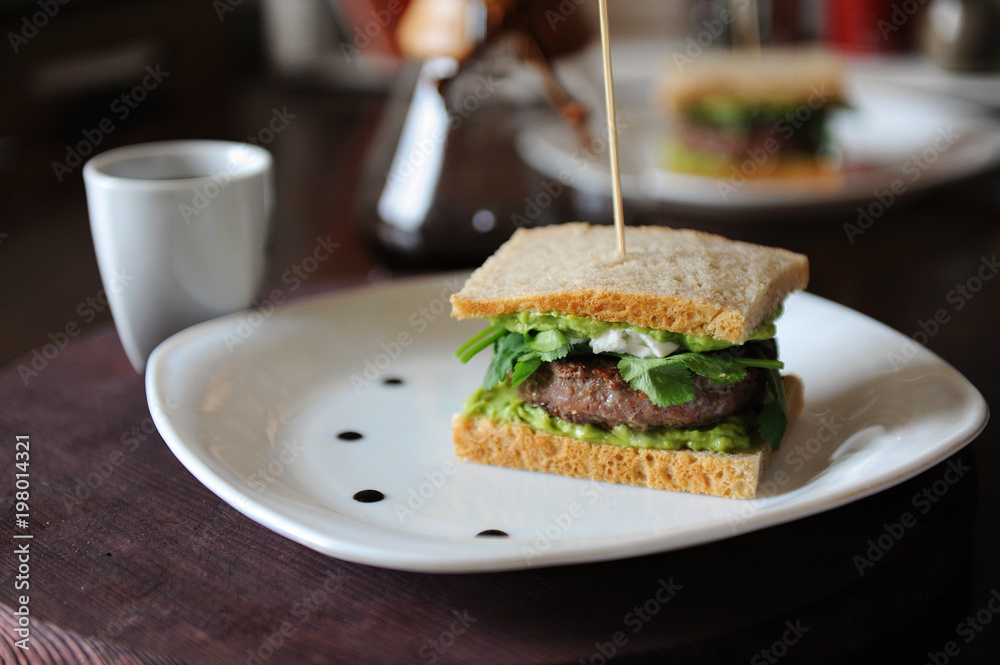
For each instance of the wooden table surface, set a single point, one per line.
(133, 561)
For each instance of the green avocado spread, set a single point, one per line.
(583, 327)
(502, 404)
(680, 157)
(723, 111)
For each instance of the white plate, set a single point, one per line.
(252, 404)
(893, 142)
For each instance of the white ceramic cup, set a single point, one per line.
(180, 230)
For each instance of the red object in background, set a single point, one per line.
(870, 26)
(372, 23)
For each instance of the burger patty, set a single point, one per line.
(590, 390)
(738, 143)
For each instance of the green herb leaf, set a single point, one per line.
(507, 349)
(764, 363)
(666, 381)
(479, 341)
(717, 369)
(549, 345)
(546, 341)
(518, 356)
(773, 420)
(523, 369)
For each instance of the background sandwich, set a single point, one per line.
(750, 115)
(656, 369)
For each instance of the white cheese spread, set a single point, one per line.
(623, 340)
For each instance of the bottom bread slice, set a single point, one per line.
(733, 475)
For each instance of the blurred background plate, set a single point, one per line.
(893, 142)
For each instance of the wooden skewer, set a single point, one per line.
(746, 29)
(609, 98)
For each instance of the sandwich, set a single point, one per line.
(754, 115)
(656, 368)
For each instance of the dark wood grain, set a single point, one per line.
(53, 646)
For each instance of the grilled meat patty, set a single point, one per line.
(739, 143)
(589, 389)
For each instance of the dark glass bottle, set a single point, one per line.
(443, 185)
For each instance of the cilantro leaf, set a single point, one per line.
(763, 363)
(523, 369)
(518, 356)
(479, 341)
(773, 418)
(666, 381)
(717, 369)
(548, 343)
(507, 349)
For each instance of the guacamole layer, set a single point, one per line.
(502, 404)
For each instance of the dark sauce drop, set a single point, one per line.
(393, 381)
(492, 533)
(369, 496)
(350, 436)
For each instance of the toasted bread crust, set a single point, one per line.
(679, 280)
(818, 173)
(734, 475)
(731, 475)
(789, 75)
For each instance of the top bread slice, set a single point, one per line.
(786, 75)
(678, 280)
